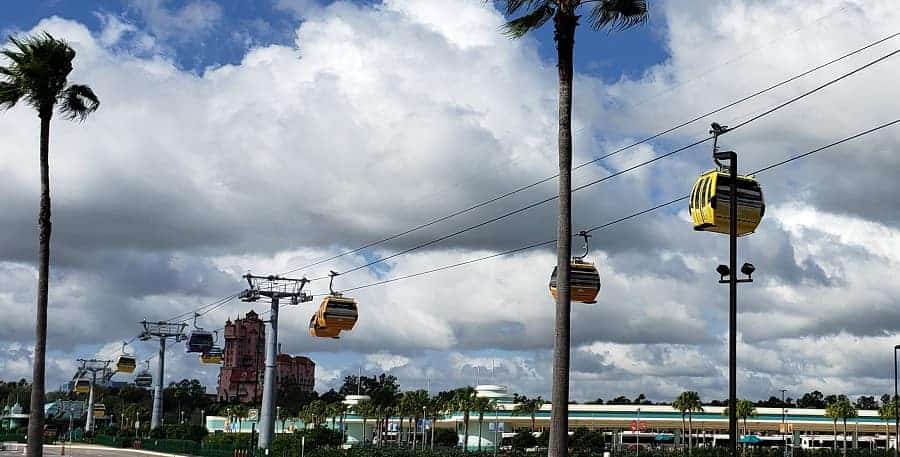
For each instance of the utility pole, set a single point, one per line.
(162, 331)
(93, 366)
(275, 288)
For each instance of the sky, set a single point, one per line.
(237, 136)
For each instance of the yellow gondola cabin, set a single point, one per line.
(126, 363)
(319, 331)
(710, 203)
(584, 281)
(337, 312)
(82, 386)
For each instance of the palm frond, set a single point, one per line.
(511, 7)
(38, 68)
(78, 101)
(520, 26)
(10, 94)
(619, 14)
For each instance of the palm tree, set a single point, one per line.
(832, 410)
(405, 409)
(529, 406)
(531, 15)
(440, 405)
(364, 409)
(845, 410)
(688, 402)
(38, 73)
(888, 412)
(464, 401)
(419, 401)
(482, 405)
(744, 409)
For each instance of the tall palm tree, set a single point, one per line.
(38, 73)
(832, 410)
(846, 410)
(481, 406)
(464, 401)
(530, 15)
(364, 409)
(688, 402)
(744, 410)
(419, 402)
(530, 407)
(681, 405)
(888, 411)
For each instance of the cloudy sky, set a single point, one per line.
(234, 137)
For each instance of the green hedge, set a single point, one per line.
(13, 437)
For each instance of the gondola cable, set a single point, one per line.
(597, 159)
(623, 171)
(622, 219)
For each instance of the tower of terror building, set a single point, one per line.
(241, 374)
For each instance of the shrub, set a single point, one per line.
(524, 440)
(445, 437)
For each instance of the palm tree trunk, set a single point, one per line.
(400, 432)
(565, 24)
(834, 435)
(845, 436)
(683, 436)
(36, 410)
(690, 431)
(480, 422)
(533, 422)
(364, 431)
(466, 432)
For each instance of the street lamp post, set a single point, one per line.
(783, 427)
(730, 271)
(637, 441)
(894, 405)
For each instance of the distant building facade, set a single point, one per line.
(295, 370)
(241, 374)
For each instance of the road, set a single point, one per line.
(86, 452)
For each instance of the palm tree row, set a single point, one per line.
(841, 409)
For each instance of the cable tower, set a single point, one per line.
(94, 366)
(162, 331)
(274, 288)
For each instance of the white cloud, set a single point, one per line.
(194, 18)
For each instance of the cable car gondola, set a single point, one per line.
(710, 203)
(144, 378)
(213, 356)
(82, 386)
(584, 279)
(125, 362)
(318, 331)
(99, 410)
(199, 340)
(336, 311)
